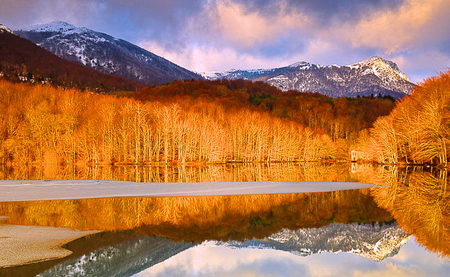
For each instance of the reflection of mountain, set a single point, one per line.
(124, 259)
(375, 242)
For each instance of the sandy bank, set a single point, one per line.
(19, 190)
(30, 244)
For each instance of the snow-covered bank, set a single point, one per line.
(31, 190)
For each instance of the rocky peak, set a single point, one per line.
(384, 69)
(300, 65)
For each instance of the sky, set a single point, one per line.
(217, 35)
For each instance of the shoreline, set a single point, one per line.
(21, 245)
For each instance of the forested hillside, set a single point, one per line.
(340, 118)
(23, 61)
(193, 121)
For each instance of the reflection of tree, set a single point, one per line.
(199, 218)
(207, 173)
(420, 202)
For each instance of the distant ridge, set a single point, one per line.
(105, 53)
(23, 61)
(375, 76)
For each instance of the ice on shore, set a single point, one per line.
(32, 190)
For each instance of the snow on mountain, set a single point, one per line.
(4, 29)
(105, 53)
(374, 76)
(55, 27)
(301, 65)
(375, 242)
(23, 61)
(382, 68)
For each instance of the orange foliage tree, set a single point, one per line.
(47, 125)
(418, 129)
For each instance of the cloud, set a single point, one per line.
(422, 64)
(245, 28)
(205, 35)
(414, 24)
(23, 13)
(205, 58)
(324, 11)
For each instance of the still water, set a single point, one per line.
(400, 227)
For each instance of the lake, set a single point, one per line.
(399, 227)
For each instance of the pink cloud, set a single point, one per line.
(414, 24)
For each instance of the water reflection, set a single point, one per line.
(191, 174)
(375, 242)
(124, 259)
(142, 232)
(419, 200)
(196, 219)
(200, 218)
(204, 260)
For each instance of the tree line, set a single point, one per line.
(220, 121)
(47, 125)
(417, 131)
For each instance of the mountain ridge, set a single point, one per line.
(374, 76)
(105, 53)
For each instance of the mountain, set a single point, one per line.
(375, 76)
(105, 53)
(23, 61)
(375, 242)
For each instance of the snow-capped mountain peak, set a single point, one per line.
(382, 68)
(54, 27)
(4, 29)
(302, 65)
